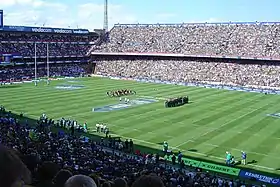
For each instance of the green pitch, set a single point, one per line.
(214, 122)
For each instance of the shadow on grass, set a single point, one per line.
(178, 106)
(192, 150)
(237, 163)
(145, 149)
(253, 162)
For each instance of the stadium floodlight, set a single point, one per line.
(105, 24)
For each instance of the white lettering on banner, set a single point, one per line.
(62, 31)
(80, 32)
(262, 178)
(41, 30)
(18, 28)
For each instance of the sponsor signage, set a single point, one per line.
(219, 168)
(188, 162)
(120, 106)
(43, 29)
(259, 177)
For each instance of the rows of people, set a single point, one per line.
(23, 44)
(226, 73)
(19, 73)
(54, 49)
(51, 160)
(36, 37)
(246, 40)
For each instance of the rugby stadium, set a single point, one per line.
(122, 79)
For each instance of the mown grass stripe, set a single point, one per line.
(201, 121)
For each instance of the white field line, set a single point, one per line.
(139, 130)
(183, 124)
(213, 129)
(221, 126)
(176, 148)
(190, 140)
(151, 97)
(234, 131)
(197, 153)
(256, 153)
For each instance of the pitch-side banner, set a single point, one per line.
(219, 168)
(1, 19)
(259, 177)
(44, 30)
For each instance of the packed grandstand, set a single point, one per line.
(217, 54)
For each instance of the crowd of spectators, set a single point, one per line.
(55, 49)
(245, 40)
(59, 45)
(37, 37)
(55, 160)
(19, 73)
(226, 73)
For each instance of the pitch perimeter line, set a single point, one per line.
(176, 148)
(201, 154)
(191, 140)
(139, 130)
(215, 129)
(151, 97)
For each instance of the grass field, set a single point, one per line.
(214, 122)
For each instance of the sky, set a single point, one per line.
(88, 14)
